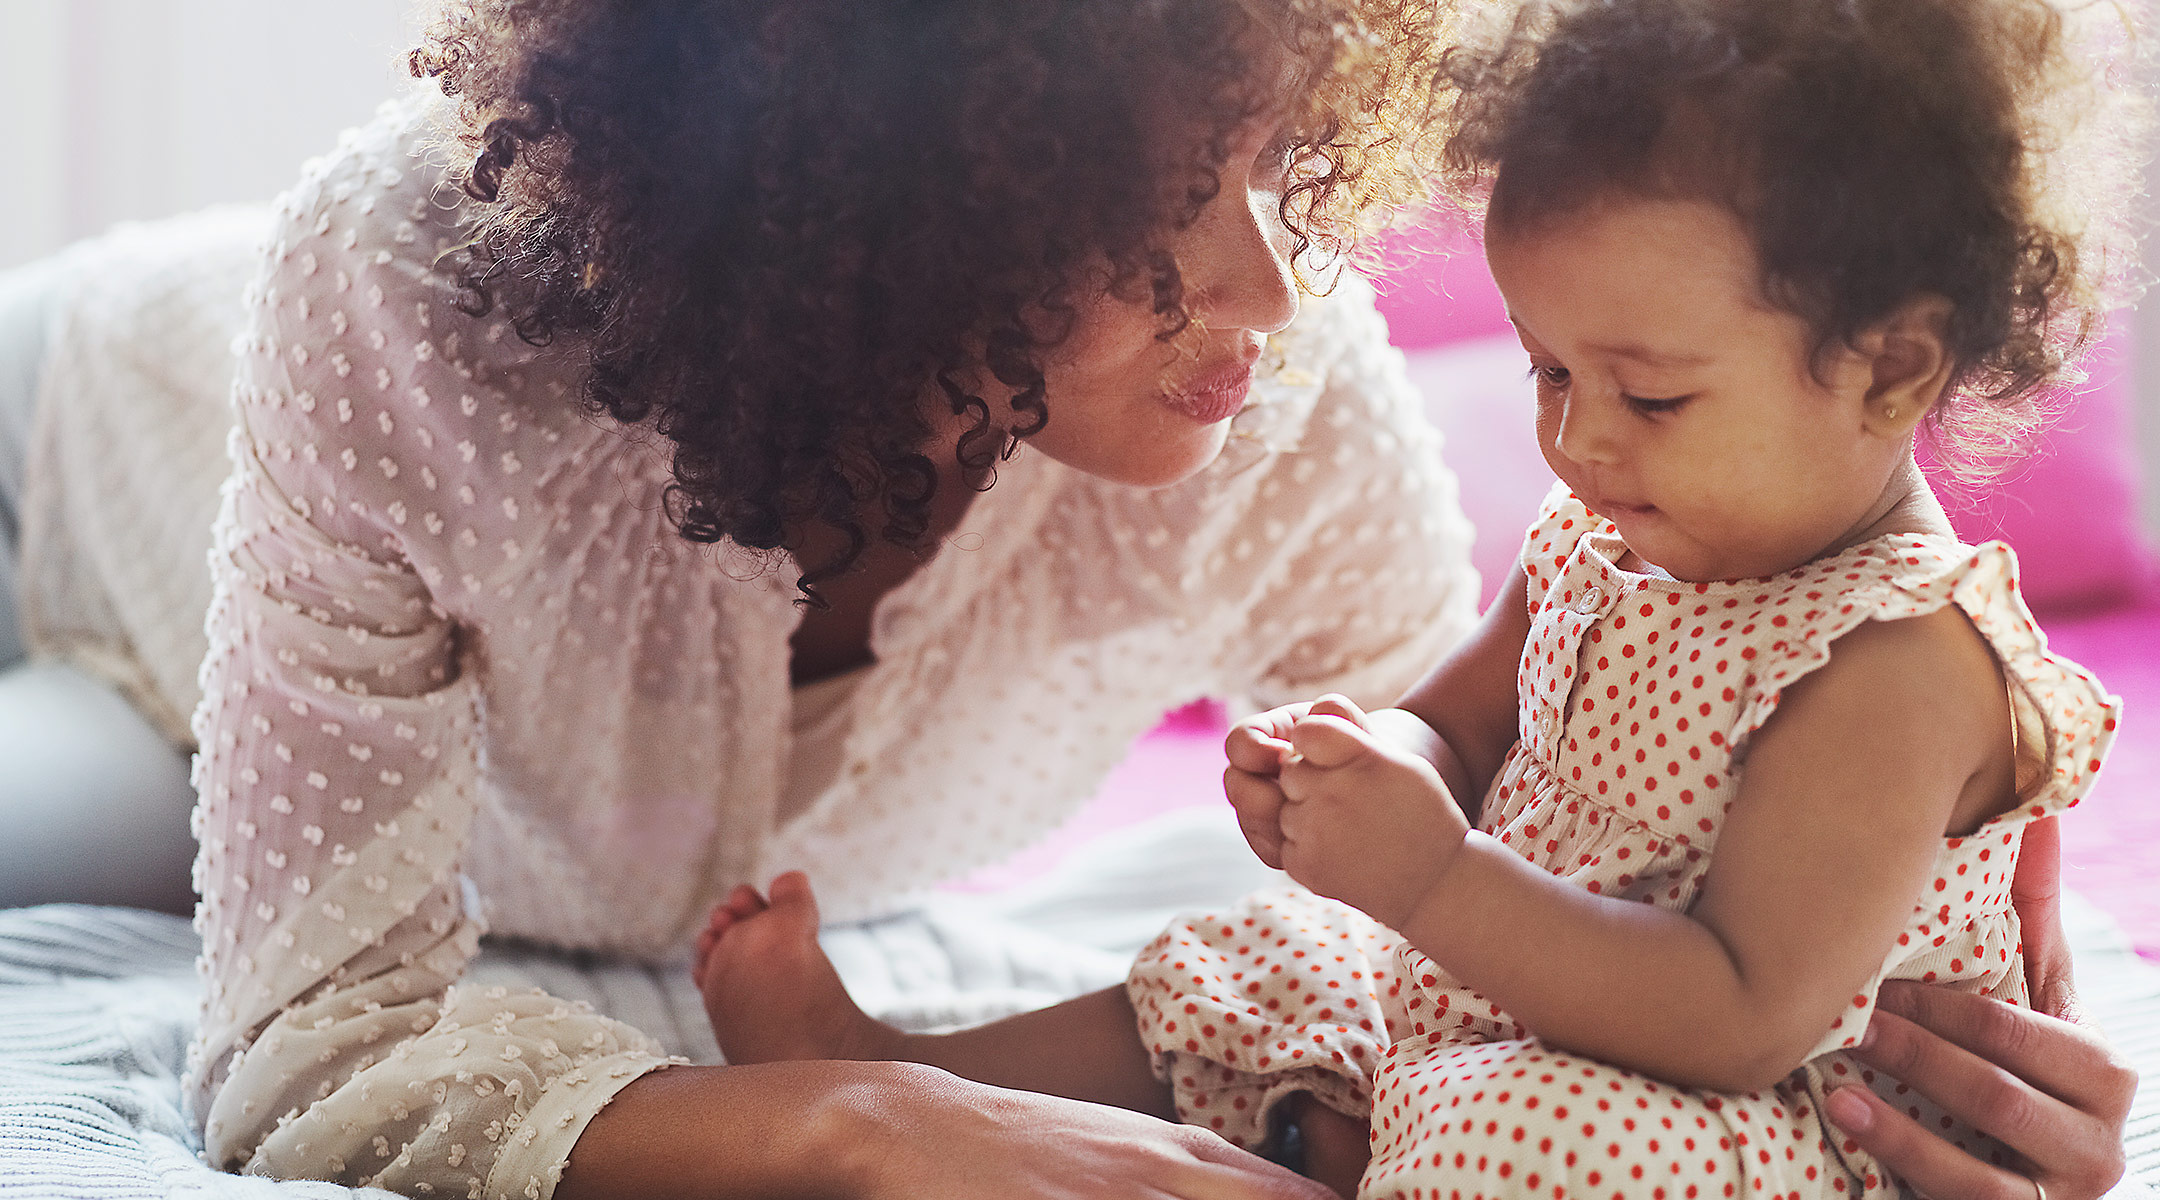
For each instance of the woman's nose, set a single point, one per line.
(1236, 259)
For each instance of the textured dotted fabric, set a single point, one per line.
(462, 673)
(127, 453)
(1637, 695)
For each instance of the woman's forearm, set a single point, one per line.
(894, 1131)
(775, 1131)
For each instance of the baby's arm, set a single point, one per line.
(1467, 705)
(1848, 789)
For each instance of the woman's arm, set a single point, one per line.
(1352, 547)
(338, 772)
(895, 1131)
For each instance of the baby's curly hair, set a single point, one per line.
(773, 227)
(1876, 150)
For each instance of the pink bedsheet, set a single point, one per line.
(2111, 843)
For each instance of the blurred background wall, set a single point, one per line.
(113, 110)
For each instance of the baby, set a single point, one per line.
(1596, 908)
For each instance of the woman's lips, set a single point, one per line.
(1216, 396)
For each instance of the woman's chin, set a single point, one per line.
(1167, 458)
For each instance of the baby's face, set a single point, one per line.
(1677, 403)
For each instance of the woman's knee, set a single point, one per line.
(94, 801)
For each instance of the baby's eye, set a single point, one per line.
(1656, 406)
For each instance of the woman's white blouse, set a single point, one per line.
(464, 675)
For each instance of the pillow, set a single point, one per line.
(2071, 507)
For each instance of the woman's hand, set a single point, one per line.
(2052, 1091)
(2049, 1088)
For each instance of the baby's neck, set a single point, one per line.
(1636, 564)
(1907, 506)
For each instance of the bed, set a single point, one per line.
(96, 1003)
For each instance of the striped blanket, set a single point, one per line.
(95, 1004)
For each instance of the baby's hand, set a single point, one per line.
(1259, 744)
(1257, 748)
(1361, 820)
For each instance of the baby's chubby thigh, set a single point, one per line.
(1285, 992)
(1520, 1119)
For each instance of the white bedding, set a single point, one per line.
(95, 1003)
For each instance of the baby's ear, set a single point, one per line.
(1909, 364)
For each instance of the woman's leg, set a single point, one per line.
(93, 802)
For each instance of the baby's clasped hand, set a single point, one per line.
(1348, 813)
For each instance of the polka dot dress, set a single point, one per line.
(1637, 697)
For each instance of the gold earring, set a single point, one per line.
(1889, 412)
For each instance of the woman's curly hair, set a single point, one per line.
(1876, 150)
(773, 227)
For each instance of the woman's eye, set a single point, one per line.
(1550, 377)
(1286, 160)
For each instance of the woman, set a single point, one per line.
(800, 281)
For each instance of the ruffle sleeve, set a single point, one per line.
(2059, 705)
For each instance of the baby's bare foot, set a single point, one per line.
(770, 992)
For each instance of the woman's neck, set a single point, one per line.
(836, 638)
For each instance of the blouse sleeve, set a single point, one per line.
(1378, 585)
(337, 782)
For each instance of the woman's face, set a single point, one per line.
(1127, 407)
